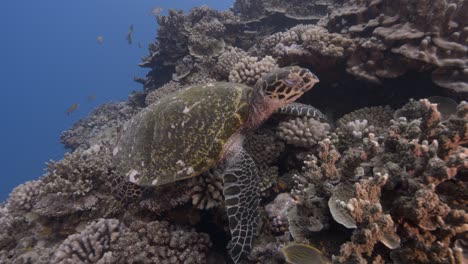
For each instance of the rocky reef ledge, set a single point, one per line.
(383, 182)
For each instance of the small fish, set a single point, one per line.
(296, 253)
(446, 106)
(156, 11)
(72, 109)
(91, 97)
(129, 34)
(100, 39)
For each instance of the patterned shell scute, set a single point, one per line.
(182, 135)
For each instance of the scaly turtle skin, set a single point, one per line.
(190, 131)
(182, 135)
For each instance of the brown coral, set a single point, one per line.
(249, 69)
(302, 132)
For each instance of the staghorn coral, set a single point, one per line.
(160, 242)
(249, 69)
(92, 245)
(302, 132)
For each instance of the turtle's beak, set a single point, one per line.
(309, 79)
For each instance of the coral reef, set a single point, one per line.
(302, 132)
(92, 245)
(164, 90)
(377, 184)
(100, 127)
(160, 242)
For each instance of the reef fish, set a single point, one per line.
(100, 39)
(91, 97)
(296, 253)
(446, 106)
(72, 109)
(129, 34)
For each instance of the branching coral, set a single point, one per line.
(265, 151)
(165, 198)
(78, 173)
(249, 69)
(22, 198)
(309, 43)
(382, 175)
(160, 242)
(303, 132)
(200, 33)
(365, 209)
(92, 245)
(277, 211)
(412, 175)
(228, 60)
(207, 190)
(377, 116)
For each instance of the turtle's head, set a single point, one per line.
(284, 85)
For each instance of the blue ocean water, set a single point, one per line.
(50, 59)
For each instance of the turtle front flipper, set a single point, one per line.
(298, 109)
(241, 194)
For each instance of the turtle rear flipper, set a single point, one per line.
(298, 109)
(241, 194)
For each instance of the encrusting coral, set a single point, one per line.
(377, 184)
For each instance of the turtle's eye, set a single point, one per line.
(287, 84)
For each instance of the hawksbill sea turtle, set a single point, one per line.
(190, 131)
